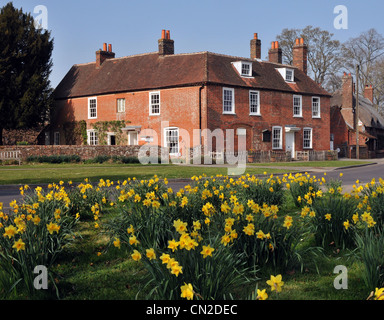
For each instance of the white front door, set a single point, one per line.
(133, 138)
(290, 143)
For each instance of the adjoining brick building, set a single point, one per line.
(275, 106)
(344, 121)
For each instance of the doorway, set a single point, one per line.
(290, 143)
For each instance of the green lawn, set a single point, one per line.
(47, 173)
(43, 173)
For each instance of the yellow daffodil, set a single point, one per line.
(207, 251)
(261, 294)
(276, 283)
(151, 255)
(187, 291)
(19, 245)
(136, 255)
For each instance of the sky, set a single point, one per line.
(79, 28)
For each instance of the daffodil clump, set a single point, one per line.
(204, 231)
(34, 232)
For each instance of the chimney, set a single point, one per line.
(368, 93)
(102, 55)
(255, 47)
(347, 91)
(275, 53)
(166, 45)
(300, 55)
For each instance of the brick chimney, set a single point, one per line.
(275, 53)
(368, 92)
(166, 45)
(347, 90)
(255, 47)
(102, 55)
(300, 55)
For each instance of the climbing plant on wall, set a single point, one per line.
(103, 127)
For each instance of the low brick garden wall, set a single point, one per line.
(84, 152)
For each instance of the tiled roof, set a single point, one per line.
(153, 71)
(368, 114)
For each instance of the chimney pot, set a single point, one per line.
(104, 47)
(168, 33)
(301, 40)
(255, 36)
(163, 34)
(110, 48)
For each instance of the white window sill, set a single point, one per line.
(255, 114)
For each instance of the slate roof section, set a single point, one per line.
(368, 114)
(152, 71)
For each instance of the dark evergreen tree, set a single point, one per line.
(25, 66)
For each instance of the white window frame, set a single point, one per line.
(130, 140)
(166, 142)
(240, 67)
(120, 105)
(56, 138)
(253, 113)
(280, 139)
(232, 101)
(152, 105)
(318, 106)
(307, 143)
(92, 137)
(300, 114)
(90, 113)
(284, 74)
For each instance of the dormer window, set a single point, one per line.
(287, 74)
(244, 68)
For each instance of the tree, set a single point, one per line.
(323, 53)
(367, 51)
(25, 66)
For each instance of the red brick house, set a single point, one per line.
(275, 106)
(343, 122)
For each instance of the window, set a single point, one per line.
(243, 68)
(228, 100)
(307, 135)
(93, 137)
(254, 102)
(133, 138)
(47, 138)
(92, 108)
(297, 106)
(120, 105)
(315, 107)
(287, 74)
(56, 138)
(277, 138)
(154, 103)
(172, 140)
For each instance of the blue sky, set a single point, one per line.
(80, 27)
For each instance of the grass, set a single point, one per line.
(83, 275)
(47, 173)
(44, 173)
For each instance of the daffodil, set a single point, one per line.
(261, 294)
(276, 283)
(53, 227)
(207, 251)
(136, 255)
(379, 294)
(187, 291)
(151, 255)
(19, 245)
(10, 231)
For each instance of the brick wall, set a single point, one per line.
(85, 152)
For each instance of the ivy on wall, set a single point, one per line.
(75, 132)
(115, 126)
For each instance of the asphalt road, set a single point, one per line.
(363, 173)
